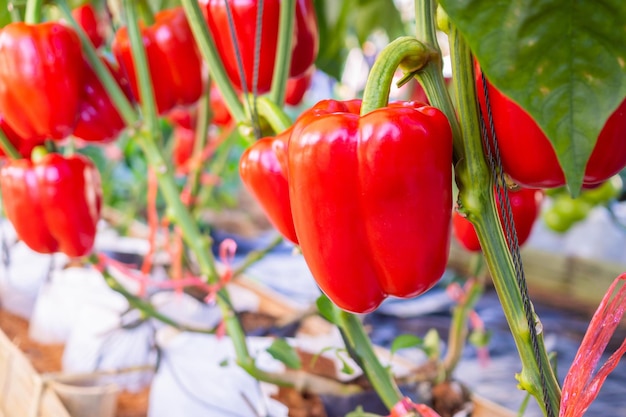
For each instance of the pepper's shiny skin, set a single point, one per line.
(298, 86)
(529, 157)
(525, 206)
(371, 198)
(41, 79)
(54, 203)
(23, 146)
(266, 178)
(304, 48)
(89, 20)
(174, 62)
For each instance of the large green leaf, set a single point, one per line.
(563, 61)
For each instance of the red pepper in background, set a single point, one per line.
(41, 79)
(305, 45)
(23, 146)
(182, 150)
(371, 198)
(89, 20)
(525, 207)
(187, 116)
(265, 177)
(174, 62)
(99, 120)
(529, 157)
(53, 202)
(298, 86)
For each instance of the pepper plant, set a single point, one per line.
(364, 187)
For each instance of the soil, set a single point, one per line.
(47, 358)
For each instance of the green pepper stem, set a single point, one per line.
(200, 140)
(14, 12)
(119, 99)
(273, 114)
(477, 200)
(256, 255)
(209, 53)
(360, 343)
(405, 52)
(8, 147)
(33, 11)
(282, 63)
(146, 13)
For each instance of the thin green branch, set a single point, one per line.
(282, 63)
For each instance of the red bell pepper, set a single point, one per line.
(53, 202)
(41, 79)
(529, 157)
(173, 58)
(305, 45)
(88, 19)
(298, 86)
(525, 206)
(371, 198)
(265, 177)
(23, 146)
(99, 120)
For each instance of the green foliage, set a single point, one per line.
(285, 353)
(562, 61)
(405, 341)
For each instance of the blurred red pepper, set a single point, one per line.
(298, 86)
(371, 198)
(266, 178)
(525, 206)
(99, 120)
(89, 20)
(244, 13)
(529, 157)
(53, 202)
(23, 146)
(41, 79)
(182, 150)
(187, 116)
(174, 62)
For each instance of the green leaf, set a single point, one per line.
(378, 14)
(405, 341)
(327, 309)
(283, 352)
(563, 61)
(332, 22)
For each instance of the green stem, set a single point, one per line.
(431, 77)
(33, 11)
(256, 256)
(8, 147)
(273, 114)
(282, 63)
(14, 12)
(115, 92)
(200, 140)
(146, 13)
(476, 199)
(457, 334)
(379, 376)
(406, 52)
(209, 53)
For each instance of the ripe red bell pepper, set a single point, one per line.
(88, 19)
(305, 44)
(265, 177)
(371, 198)
(529, 157)
(41, 78)
(525, 206)
(298, 86)
(99, 120)
(23, 146)
(173, 58)
(53, 202)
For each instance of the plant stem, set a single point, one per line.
(282, 63)
(256, 255)
(119, 99)
(33, 11)
(273, 114)
(15, 12)
(8, 147)
(476, 199)
(209, 53)
(406, 52)
(200, 140)
(146, 13)
(360, 343)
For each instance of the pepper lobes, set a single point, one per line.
(53, 202)
(41, 77)
(371, 198)
(174, 62)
